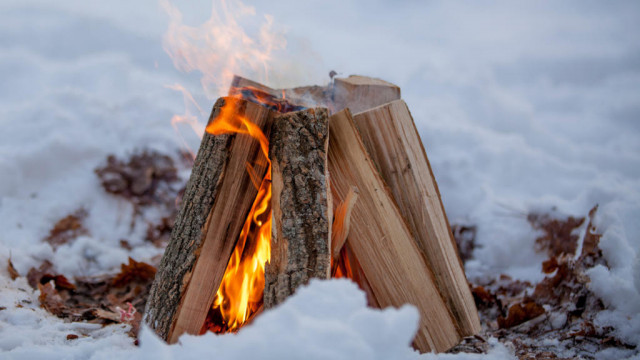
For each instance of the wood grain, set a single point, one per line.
(380, 239)
(392, 140)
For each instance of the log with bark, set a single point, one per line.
(301, 203)
(217, 199)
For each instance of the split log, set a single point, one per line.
(381, 241)
(360, 93)
(393, 142)
(301, 203)
(217, 199)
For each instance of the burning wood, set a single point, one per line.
(394, 241)
(216, 202)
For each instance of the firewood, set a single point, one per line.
(393, 142)
(301, 203)
(381, 241)
(360, 93)
(217, 199)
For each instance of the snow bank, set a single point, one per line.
(324, 320)
(309, 325)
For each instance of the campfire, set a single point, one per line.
(311, 182)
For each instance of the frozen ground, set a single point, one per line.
(527, 106)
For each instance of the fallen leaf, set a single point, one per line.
(482, 297)
(125, 245)
(72, 337)
(67, 229)
(520, 313)
(549, 266)
(558, 234)
(51, 300)
(133, 271)
(13, 273)
(143, 179)
(60, 281)
(35, 275)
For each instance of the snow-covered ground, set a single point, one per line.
(521, 107)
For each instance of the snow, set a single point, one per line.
(521, 107)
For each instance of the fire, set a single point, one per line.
(217, 49)
(240, 294)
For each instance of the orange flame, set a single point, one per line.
(240, 294)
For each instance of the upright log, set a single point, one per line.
(301, 203)
(217, 199)
(381, 241)
(392, 140)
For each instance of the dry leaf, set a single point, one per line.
(549, 266)
(67, 229)
(60, 282)
(51, 300)
(143, 179)
(35, 275)
(520, 313)
(558, 237)
(13, 273)
(134, 271)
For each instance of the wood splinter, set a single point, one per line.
(341, 220)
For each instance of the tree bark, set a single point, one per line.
(217, 198)
(301, 203)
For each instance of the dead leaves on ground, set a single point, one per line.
(134, 271)
(144, 179)
(100, 299)
(560, 307)
(520, 313)
(558, 234)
